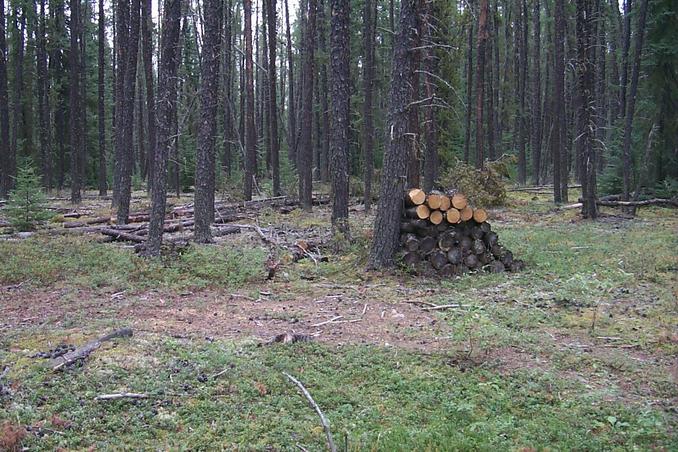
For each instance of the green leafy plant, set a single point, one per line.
(27, 205)
(483, 187)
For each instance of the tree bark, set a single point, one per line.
(274, 139)
(305, 156)
(536, 95)
(631, 100)
(292, 115)
(126, 121)
(387, 222)
(167, 94)
(586, 134)
(227, 98)
(368, 114)
(340, 97)
(480, 82)
(559, 163)
(43, 101)
(147, 51)
(5, 174)
(522, 81)
(207, 131)
(469, 91)
(250, 132)
(430, 128)
(626, 44)
(75, 107)
(101, 101)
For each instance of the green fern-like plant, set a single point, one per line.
(27, 205)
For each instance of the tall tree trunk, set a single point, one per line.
(167, 94)
(480, 82)
(227, 98)
(324, 136)
(340, 99)
(586, 134)
(522, 78)
(126, 121)
(75, 107)
(84, 27)
(626, 45)
(147, 54)
(631, 100)
(19, 25)
(56, 67)
(207, 131)
(250, 133)
(414, 134)
(430, 128)
(536, 95)
(43, 101)
(306, 144)
(292, 115)
(559, 163)
(387, 222)
(368, 114)
(101, 105)
(4, 109)
(274, 139)
(469, 91)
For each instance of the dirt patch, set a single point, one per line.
(336, 318)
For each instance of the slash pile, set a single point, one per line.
(443, 232)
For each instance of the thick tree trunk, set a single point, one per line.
(305, 156)
(559, 163)
(147, 50)
(430, 127)
(536, 95)
(626, 44)
(56, 66)
(227, 98)
(469, 93)
(75, 106)
(480, 82)
(368, 114)
(323, 138)
(126, 121)
(167, 94)
(4, 109)
(631, 100)
(274, 139)
(207, 129)
(43, 102)
(340, 103)
(101, 102)
(522, 81)
(250, 132)
(586, 134)
(292, 115)
(387, 222)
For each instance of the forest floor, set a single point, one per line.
(577, 352)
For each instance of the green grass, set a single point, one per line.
(380, 399)
(529, 363)
(80, 262)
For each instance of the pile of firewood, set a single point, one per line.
(442, 232)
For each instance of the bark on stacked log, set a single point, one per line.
(443, 232)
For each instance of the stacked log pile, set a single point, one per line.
(444, 233)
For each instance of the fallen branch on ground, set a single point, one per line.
(119, 235)
(85, 350)
(120, 395)
(323, 419)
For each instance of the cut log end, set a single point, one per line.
(459, 201)
(436, 217)
(453, 216)
(415, 197)
(466, 213)
(480, 215)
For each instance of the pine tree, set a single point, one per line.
(27, 205)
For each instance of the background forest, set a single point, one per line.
(486, 83)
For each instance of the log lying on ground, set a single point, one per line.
(610, 202)
(85, 350)
(120, 235)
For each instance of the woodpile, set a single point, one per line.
(444, 233)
